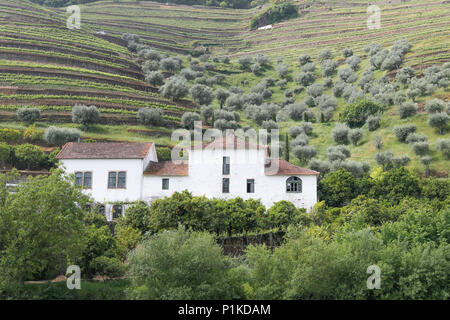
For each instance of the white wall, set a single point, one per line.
(205, 178)
(100, 169)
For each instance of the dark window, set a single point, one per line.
(293, 184)
(226, 185)
(112, 178)
(165, 184)
(117, 211)
(79, 178)
(122, 180)
(87, 180)
(226, 165)
(250, 185)
(83, 179)
(117, 180)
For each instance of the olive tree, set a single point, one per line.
(189, 118)
(201, 94)
(438, 121)
(85, 115)
(28, 115)
(155, 78)
(340, 133)
(150, 116)
(60, 136)
(175, 88)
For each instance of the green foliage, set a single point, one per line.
(28, 115)
(5, 153)
(182, 265)
(150, 116)
(10, 135)
(397, 184)
(40, 228)
(337, 188)
(29, 154)
(85, 115)
(276, 13)
(356, 114)
(60, 136)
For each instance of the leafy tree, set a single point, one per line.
(29, 154)
(222, 95)
(406, 110)
(60, 136)
(155, 78)
(175, 258)
(5, 153)
(439, 121)
(355, 135)
(189, 118)
(41, 229)
(356, 114)
(340, 133)
(304, 153)
(28, 115)
(85, 115)
(201, 94)
(337, 188)
(281, 214)
(150, 116)
(175, 88)
(397, 184)
(443, 145)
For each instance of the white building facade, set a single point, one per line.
(114, 173)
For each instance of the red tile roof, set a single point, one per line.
(286, 168)
(104, 150)
(166, 168)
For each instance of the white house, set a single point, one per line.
(114, 173)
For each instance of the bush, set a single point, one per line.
(304, 153)
(435, 106)
(384, 159)
(347, 52)
(164, 153)
(269, 125)
(245, 61)
(438, 121)
(304, 59)
(29, 115)
(415, 137)
(340, 152)
(340, 133)
(443, 145)
(295, 111)
(282, 70)
(175, 88)
(189, 118)
(338, 88)
(315, 90)
(353, 62)
(347, 75)
(294, 131)
(300, 140)
(324, 55)
(307, 128)
(60, 136)
(402, 132)
(221, 96)
(175, 257)
(355, 135)
(33, 134)
(309, 67)
(407, 109)
(421, 148)
(305, 78)
(201, 94)
(373, 122)
(85, 115)
(329, 67)
(29, 154)
(150, 116)
(169, 64)
(234, 102)
(106, 266)
(5, 153)
(405, 74)
(155, 78)
(275, 13)
(281, 214)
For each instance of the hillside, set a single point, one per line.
(43, 64)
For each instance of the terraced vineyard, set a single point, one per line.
(45, 65)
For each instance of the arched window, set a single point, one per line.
(294, 184)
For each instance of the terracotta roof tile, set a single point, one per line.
(286, 168)
(166, 168)
(104, 150)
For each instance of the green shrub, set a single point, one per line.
(106, 266)
(274, 14)
(356, 114)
